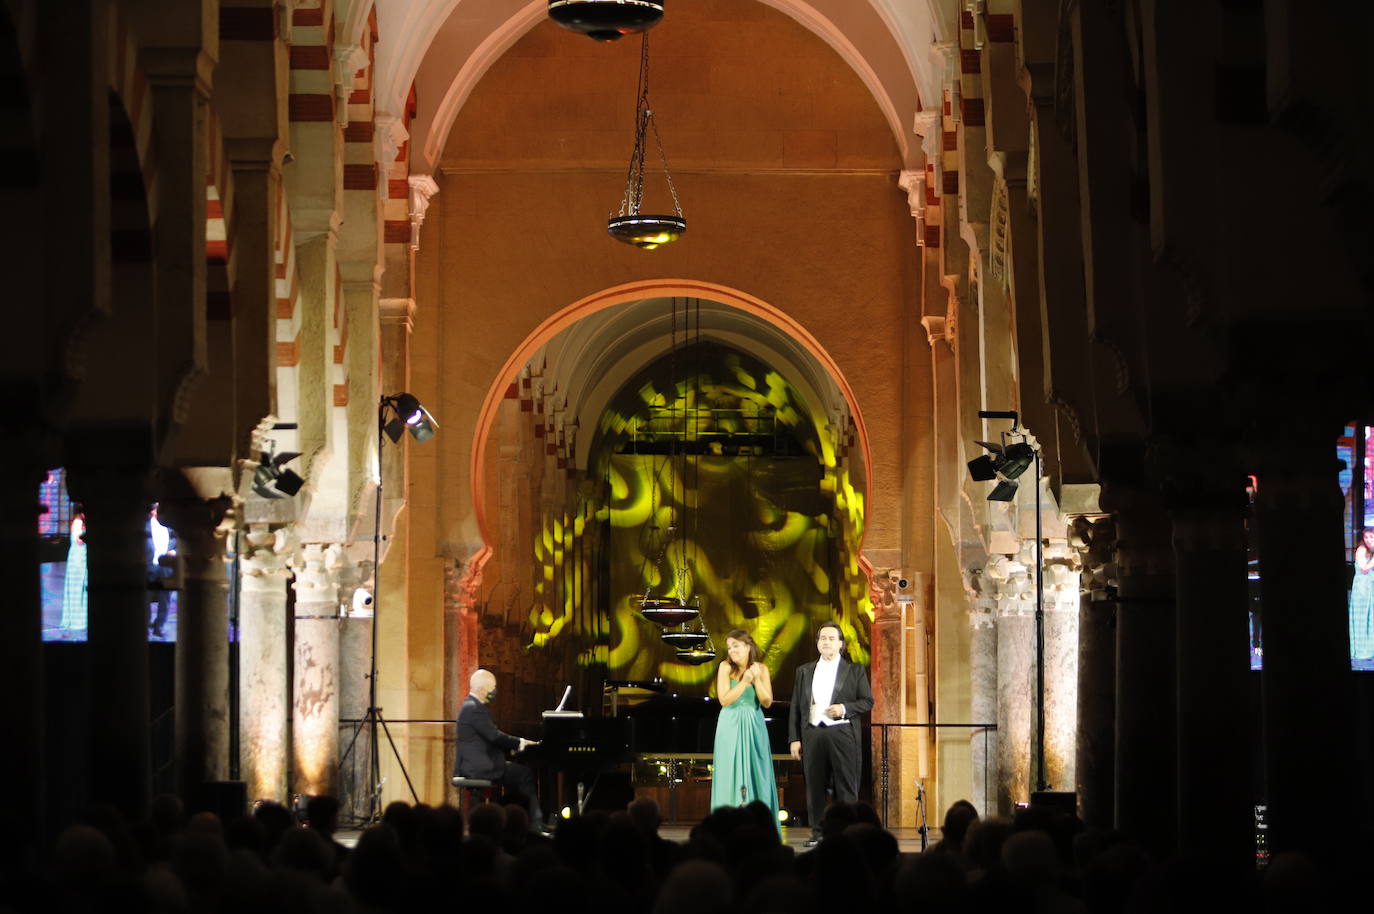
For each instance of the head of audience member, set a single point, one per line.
(275, 820)
(487, 821)
(932, 883)
(303, 851)
(960, 815)
(167, 813)
(1031, 861)
(877, 846)
(983, 843)
(781, 893)
(643, 812)
(837, 817)
(764, 818)
(1111, 877)
(515, 833)
(482, 685)
(322, 814)
(695, 887)
(375, 867)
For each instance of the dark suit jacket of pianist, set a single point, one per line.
(481, 747)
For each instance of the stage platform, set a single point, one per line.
(908, 839)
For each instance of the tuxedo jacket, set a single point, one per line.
(481, 747)
(851, 690)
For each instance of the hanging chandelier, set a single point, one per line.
(645, 231)
(606, 20)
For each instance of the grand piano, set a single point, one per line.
(647, 740)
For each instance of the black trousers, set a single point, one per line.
(519, 779)
(830, 754)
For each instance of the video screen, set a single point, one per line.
(62, 572)
(1355, 451)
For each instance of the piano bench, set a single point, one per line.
(467, 787)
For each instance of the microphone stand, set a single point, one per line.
(921, 801)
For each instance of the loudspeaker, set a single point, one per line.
(1066, 801)
(226, 799)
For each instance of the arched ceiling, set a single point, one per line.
(590, 361)
(444, 47)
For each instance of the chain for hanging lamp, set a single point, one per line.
(645, 231)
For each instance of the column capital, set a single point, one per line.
(267, 556)
(389, 136)
(317, 566)
(397, 312)
(348, 60)
(422, 188)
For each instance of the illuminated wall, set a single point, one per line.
(711, 479)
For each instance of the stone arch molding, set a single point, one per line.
(621, 295)
(877, 38)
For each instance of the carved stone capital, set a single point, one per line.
(348, 60)
(317, 567)
(397, 311)
(422, 188)
(390, 134)
(929, 126)
(266, 559)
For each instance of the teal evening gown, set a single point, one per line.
(743, 770)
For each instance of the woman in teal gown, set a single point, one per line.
(743, 770)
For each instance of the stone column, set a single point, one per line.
(1216, 794)
(1061, 664)
(886, 673)
(983, 696)
(1094, 778)
(202, 655)
(1145, 739)
(315, 691)
(21, 657)
(117, 502)
(355, 739)
(1015, 680)
(263, 688)
(1307, 701)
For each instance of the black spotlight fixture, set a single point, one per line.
(645, 231)
(403, 412)
(1005, 463)
(271, 480)
(606, 20)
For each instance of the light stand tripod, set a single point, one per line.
(406, 414)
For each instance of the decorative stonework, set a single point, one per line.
(1095, 543)
(389, 136)
(999, 222)
(914, 183)
(422, 188)
(348, 60)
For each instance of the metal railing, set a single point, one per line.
(882, 767)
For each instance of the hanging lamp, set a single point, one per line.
(606, 20)
(645, 231)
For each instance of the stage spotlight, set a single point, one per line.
(565, 812)
(982, 468)
(1003, 491)
(783, 816)
(269, 478)
(407, 413)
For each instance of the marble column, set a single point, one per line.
(21, 657)
(355, 739)
(117, 502)
(983, 697)
(1145, 710)
(315, 689)
(1061, 664)
(1094, 769)
(1307, 689)
(202, 527)
(263, 687)
(1015, 680)
(1216, 794)
(886, 674)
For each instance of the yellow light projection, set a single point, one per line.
(719, 485)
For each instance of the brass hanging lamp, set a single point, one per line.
(606, 20)
(645, 231)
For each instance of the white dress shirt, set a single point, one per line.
(822, 688)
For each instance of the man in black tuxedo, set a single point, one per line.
(482, 748)
(823, 724)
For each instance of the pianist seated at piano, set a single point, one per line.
(482, 747)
